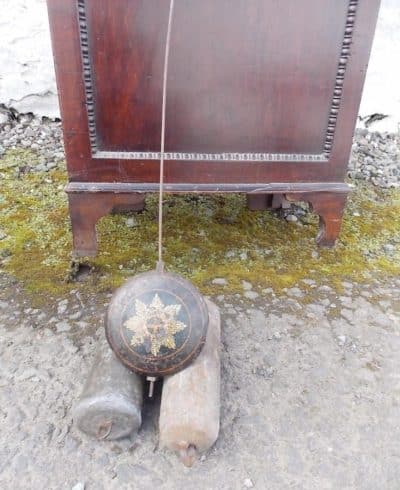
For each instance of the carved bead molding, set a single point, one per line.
(240, 157)
(341, 71)
(87, 74)
(212, 157)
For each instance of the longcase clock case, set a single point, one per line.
(263, 97)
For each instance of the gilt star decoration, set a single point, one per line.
(155, 325)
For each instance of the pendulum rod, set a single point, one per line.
(160, 265)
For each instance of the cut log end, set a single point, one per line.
(107, 417)
(110, 405)
(188, 455)
(190, 404)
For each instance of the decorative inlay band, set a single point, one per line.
(87, 74)
(212, 157)
(341, 71)
(231, 156)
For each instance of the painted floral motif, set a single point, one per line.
(155, 325)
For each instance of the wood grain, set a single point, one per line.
(281, 80)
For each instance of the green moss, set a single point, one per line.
(205, 237)
(34, 218)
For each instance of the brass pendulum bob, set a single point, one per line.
(157, 321)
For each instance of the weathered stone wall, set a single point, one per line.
(27, 81)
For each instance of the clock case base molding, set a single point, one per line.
(88, 202)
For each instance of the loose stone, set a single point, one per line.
(79, 486)
(131, 222)
(247, 286)
(219, 281)
(76, 316)
(248, 483)
(251, 295)
(63, 327)
(296, 292)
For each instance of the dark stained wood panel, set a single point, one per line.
(229, 89)
(126, 51)
(263, 99)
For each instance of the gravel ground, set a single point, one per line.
(376, 158)
(310, 396)
(310, 380)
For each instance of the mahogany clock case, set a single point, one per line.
(263, 98)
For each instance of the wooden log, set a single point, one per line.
(110, 405)
(190, 403)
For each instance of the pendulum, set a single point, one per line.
(157, 321)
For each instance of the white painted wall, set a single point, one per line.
(27, 80)
(382, 85)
